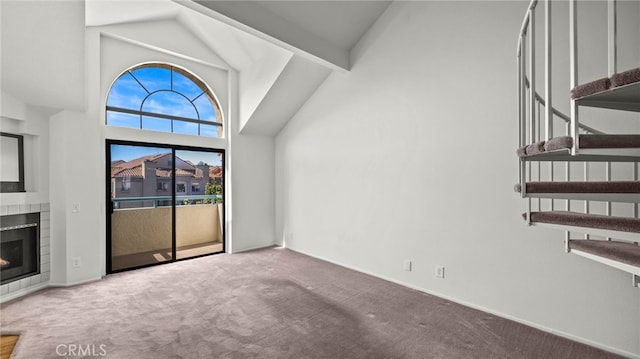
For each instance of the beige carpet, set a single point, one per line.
(271, 303)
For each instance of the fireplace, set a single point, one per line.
(19, 246)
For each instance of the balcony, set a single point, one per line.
(141, 229)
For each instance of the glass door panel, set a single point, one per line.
(199, 203)
(141, 218)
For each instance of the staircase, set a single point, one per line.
(582, 180)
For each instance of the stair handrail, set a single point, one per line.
(528, 96)
(565, 117)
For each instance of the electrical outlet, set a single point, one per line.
(75, 207)
(407, 265)
(440, 271)
(75, 262)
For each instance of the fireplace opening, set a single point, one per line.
(19, 246)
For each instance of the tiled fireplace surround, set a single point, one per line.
(23, 286)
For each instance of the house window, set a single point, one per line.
(163, 186)
(125, 185)
(165, 98)
(181, 187)
(195, 188)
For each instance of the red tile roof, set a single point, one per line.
(133, 168)
(215, 171)
(138, 161)
(180, 172)
(128, 172)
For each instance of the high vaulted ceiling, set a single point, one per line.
(301, 42)
(325, 29)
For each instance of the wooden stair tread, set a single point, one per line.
(624, 252)
(587, 220)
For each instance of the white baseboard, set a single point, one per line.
(73, 284)
(252, 248)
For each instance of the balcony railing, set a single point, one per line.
(163, 201)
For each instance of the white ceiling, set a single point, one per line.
(341, 23)
(43, 43)
(43, 51)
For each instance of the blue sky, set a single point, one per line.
(128, 153)
(153, 85)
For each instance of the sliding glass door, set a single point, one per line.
(198, 203)
(165, 203)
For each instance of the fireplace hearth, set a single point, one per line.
(19, 246)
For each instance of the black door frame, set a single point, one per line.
(109, 203)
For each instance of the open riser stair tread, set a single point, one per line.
(580, 187)
(586, 141)
(609, 141)
(620, 79)
(620, 91)
(623, 252)
(587, 220)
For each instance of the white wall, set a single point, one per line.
(411, 155)
(32, 123)
(252, 217)
(76, 176)
(77, 150)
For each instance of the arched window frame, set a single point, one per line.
(205, 91)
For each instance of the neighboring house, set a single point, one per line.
(151, 176)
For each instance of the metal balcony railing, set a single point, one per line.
(163, 201)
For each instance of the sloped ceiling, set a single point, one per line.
(324, 30)
(43, 51)
(282, 50)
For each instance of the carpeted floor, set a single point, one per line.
(270, 303)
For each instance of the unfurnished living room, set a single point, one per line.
(320, 179)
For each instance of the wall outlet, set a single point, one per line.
(440, 271)
(407, 265)
(75, 262)
(75, 207)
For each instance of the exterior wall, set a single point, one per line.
(136, 189)
(148, 185)
(149, 229)
(198, 224)
(140, 230)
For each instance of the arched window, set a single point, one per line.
(166, 98)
